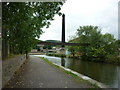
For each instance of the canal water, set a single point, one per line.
(105, 73)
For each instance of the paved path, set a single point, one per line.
(0, 73)
(37, 73)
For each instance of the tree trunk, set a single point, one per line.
(4, 44)
(26, 55)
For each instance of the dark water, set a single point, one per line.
(105, 73)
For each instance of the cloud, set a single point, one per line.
(103, 13)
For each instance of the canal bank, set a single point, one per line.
(111, 59)
(101, 72)
(37, 73)
(78, 76)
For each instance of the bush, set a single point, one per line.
(56, 55)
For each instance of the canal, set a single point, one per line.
(105, 73)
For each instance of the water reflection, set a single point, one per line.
(105, 73)
(62, 62)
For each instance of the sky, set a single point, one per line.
(102, 13)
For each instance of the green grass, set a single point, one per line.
(70, 73)
(56, 55)
(48, 62)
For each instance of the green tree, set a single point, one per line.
(24, 22)
(73, 49)
(91, 35)
(101, 45)
(110, 44)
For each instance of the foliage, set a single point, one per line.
(73, 49)
(56, 55)
(101, 45)
(24, 22)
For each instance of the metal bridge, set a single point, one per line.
(67, 44)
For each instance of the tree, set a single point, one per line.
(110, 43)
(24, 22)
(101, 45)
(91, 35)
(73, 49)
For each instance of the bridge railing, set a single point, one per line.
(67, 44)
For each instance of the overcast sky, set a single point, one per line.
(103, 13)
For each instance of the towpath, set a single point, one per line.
(37, 73)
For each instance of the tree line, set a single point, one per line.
(22, 24)
(102, 48)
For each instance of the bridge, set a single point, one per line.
(61, 43)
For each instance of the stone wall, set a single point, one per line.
(9, 67)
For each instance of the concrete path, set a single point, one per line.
(0, 73)
(37, 73)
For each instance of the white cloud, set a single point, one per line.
(103, 13)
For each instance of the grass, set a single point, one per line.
(56, 55)
(70, 73)
(67, 72)
(48, 62)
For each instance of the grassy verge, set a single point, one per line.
(70, 73)
(56, 55)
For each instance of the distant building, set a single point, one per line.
(33, 50)
(40, 47)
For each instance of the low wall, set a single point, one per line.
(9, 67)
